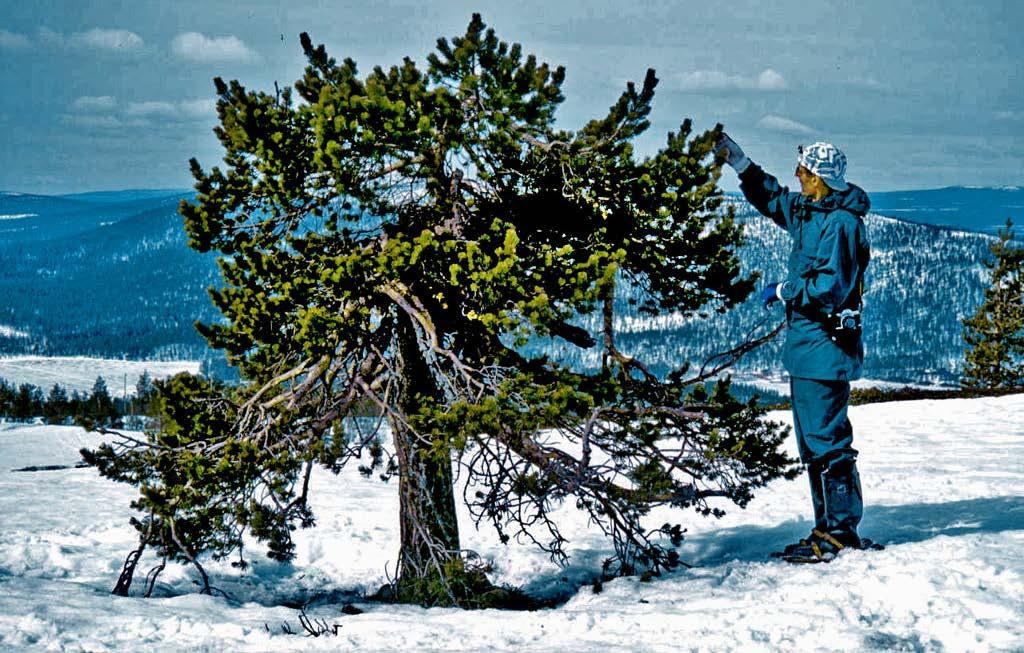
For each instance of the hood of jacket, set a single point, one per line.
(853, 199)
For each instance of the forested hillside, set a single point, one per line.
(109, 274)
(105, 278)
(921, 282)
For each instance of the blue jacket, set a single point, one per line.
(826, 269)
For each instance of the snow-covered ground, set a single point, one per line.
(944, 486)
(780, 383)
(80, 372)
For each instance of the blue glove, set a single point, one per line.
(770, 294)
(734, 155)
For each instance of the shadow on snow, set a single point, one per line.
(274, 584)
(887, 525)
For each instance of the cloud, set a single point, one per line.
(777, 123)
(114, 40)
(105, 40)
(716, 80)
(50, 37)
(193, 46)
(154, 109)
(867, 83)
(1009, 115)
(104, 112)
(96, 122)
(12, 41)
(96, 103)
(199, 108)
(770, 80)
(182, 110)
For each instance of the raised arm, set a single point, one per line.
(761, 189)
(767, 195)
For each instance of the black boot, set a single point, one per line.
(838, 507)
(844, 504)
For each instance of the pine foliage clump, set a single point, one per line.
(388, 243)
(995, 333)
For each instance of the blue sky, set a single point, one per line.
(118, 94)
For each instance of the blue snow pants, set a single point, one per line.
(824, 437)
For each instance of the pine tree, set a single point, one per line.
(7, 397)
(57, 407)
(144, 391)
(100, 405)
(28, 403)
(395, 241)
(995, 333)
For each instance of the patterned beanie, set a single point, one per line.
(826, 161)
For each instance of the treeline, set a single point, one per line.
(27, 402)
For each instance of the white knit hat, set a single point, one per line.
(826, 161)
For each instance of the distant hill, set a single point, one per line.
(109, 274)
(28, 218)
(118, 196)
(958, 207)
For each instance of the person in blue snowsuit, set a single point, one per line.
(823, 351)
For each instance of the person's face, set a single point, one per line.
(810, 183)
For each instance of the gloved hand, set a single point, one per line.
(770, 294)
(734, 155)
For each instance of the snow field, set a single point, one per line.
(80, 372)
(944, 491)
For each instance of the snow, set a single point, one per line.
(1008, 187)
(779, 382)
(944, 489)
(11, 332)
(80, 372)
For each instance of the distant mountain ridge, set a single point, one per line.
(959, 207)
(117, 196)
(968, 208)
(34, 218)
(109, 274)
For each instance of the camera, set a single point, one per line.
(847, 320)
(845, 327)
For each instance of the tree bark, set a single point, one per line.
(429, 526)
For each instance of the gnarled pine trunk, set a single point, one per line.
(429, 553)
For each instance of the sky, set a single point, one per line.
(107, 94)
